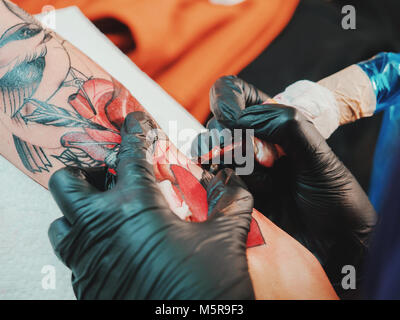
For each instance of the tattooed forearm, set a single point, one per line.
(61, 109)
(41, 86)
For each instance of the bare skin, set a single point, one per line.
(58, 108)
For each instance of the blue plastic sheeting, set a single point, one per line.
(384, 73)
(382, 279)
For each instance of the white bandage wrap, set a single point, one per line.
(316, 102)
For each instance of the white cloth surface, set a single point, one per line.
(27, 209)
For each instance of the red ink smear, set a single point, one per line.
(254, 238)
(194, 193)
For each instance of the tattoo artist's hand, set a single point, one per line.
(309, 193)
(125, 243)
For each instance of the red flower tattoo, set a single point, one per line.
(105, 103)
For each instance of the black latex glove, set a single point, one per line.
(228, 96)
(126, 243)
(309, 193)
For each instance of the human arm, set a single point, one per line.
(125, 243)
(92, 139)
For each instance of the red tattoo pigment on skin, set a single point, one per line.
(254, 238)
(107, 103)
(193, 192)
(196, 198)
(111, 103)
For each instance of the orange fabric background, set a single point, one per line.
(185, 45)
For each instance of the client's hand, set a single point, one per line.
(126, 243)
(309, 193)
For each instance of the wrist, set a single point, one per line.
(353, 93)
(315, 102)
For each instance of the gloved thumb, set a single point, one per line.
(228, 196)
(70, 187)
(217, 135)
(135, 170)
(134, 160)
(229, 95)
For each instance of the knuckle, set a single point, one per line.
(62, 174)
(224, 79)
(291, 117)
(224, 82)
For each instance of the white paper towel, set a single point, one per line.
(26, 211)
(27, 262)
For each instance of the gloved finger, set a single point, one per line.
(217, 135)
(287, 127)
(273, 123)
(58, 230)
(220, 135)
(70, 187)
(229, 95)
(213, 124)
(135, 171)
(227, 195)
(134, 160)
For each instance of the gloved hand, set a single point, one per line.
(125, 243)
(309, 193)
(228, 97)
